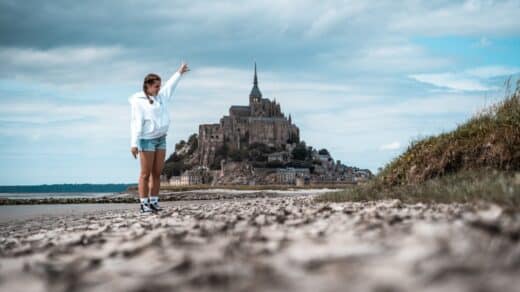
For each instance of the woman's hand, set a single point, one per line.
(183, 68)
(134, 151)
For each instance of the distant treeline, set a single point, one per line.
(66, 188)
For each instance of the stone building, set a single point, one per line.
(281, 156)
(198, 175)
(262, 121)
(289, 175)
(185, 179)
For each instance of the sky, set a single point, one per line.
(360, 78)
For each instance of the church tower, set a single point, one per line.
(255, 96)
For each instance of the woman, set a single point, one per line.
(149, 124)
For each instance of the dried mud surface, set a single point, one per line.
(266, 244)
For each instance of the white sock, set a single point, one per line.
(154, 199)
(144, 201)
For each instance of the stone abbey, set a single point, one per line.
(262, 121)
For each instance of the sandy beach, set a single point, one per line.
(288, 243)
(13, 213)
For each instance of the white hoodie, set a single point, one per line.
(151, 120)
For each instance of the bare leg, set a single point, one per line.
(157, 168)
(147, 158)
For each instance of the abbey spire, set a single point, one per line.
(255, 94)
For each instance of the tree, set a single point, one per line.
(257, 155)
(262, 147)
(274, 164)
(173, 158)
(323, 152)
(237, 154)
(179, 145)
(258, 151)
(193, 141)
(173, 168)
(193, 138)
(299, 152)
(222, 151)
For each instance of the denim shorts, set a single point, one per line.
(152, 144)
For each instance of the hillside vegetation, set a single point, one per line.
(480, 159)
(489, 140)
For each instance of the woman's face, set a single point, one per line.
(154, 88)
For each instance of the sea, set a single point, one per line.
(62, 191)
(55, 195)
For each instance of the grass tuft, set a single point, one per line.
(490, 140)
(479, 160)
(498, 187)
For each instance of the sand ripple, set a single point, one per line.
(270, 244)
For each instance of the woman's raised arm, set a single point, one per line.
(166, 91)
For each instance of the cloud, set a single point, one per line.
(351, 73)
(58, 56)
(473, 79)
(451, 81)
(386, 57)
(492, 71)
(390, 146)
(74, 68)
(462, 18)
(203, 96)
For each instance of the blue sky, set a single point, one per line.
(360, 78)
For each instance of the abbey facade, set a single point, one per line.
(261, 121)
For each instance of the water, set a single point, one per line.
(62, 191)
(56, 195)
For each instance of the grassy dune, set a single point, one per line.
(490, 140)
(499, 187)
(479, 160)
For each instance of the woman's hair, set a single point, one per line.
(150, 79)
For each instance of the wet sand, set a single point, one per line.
(264, 244)
(10, 213)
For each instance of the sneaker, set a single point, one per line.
(154, 203)
(145, 208)
(155, 206)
